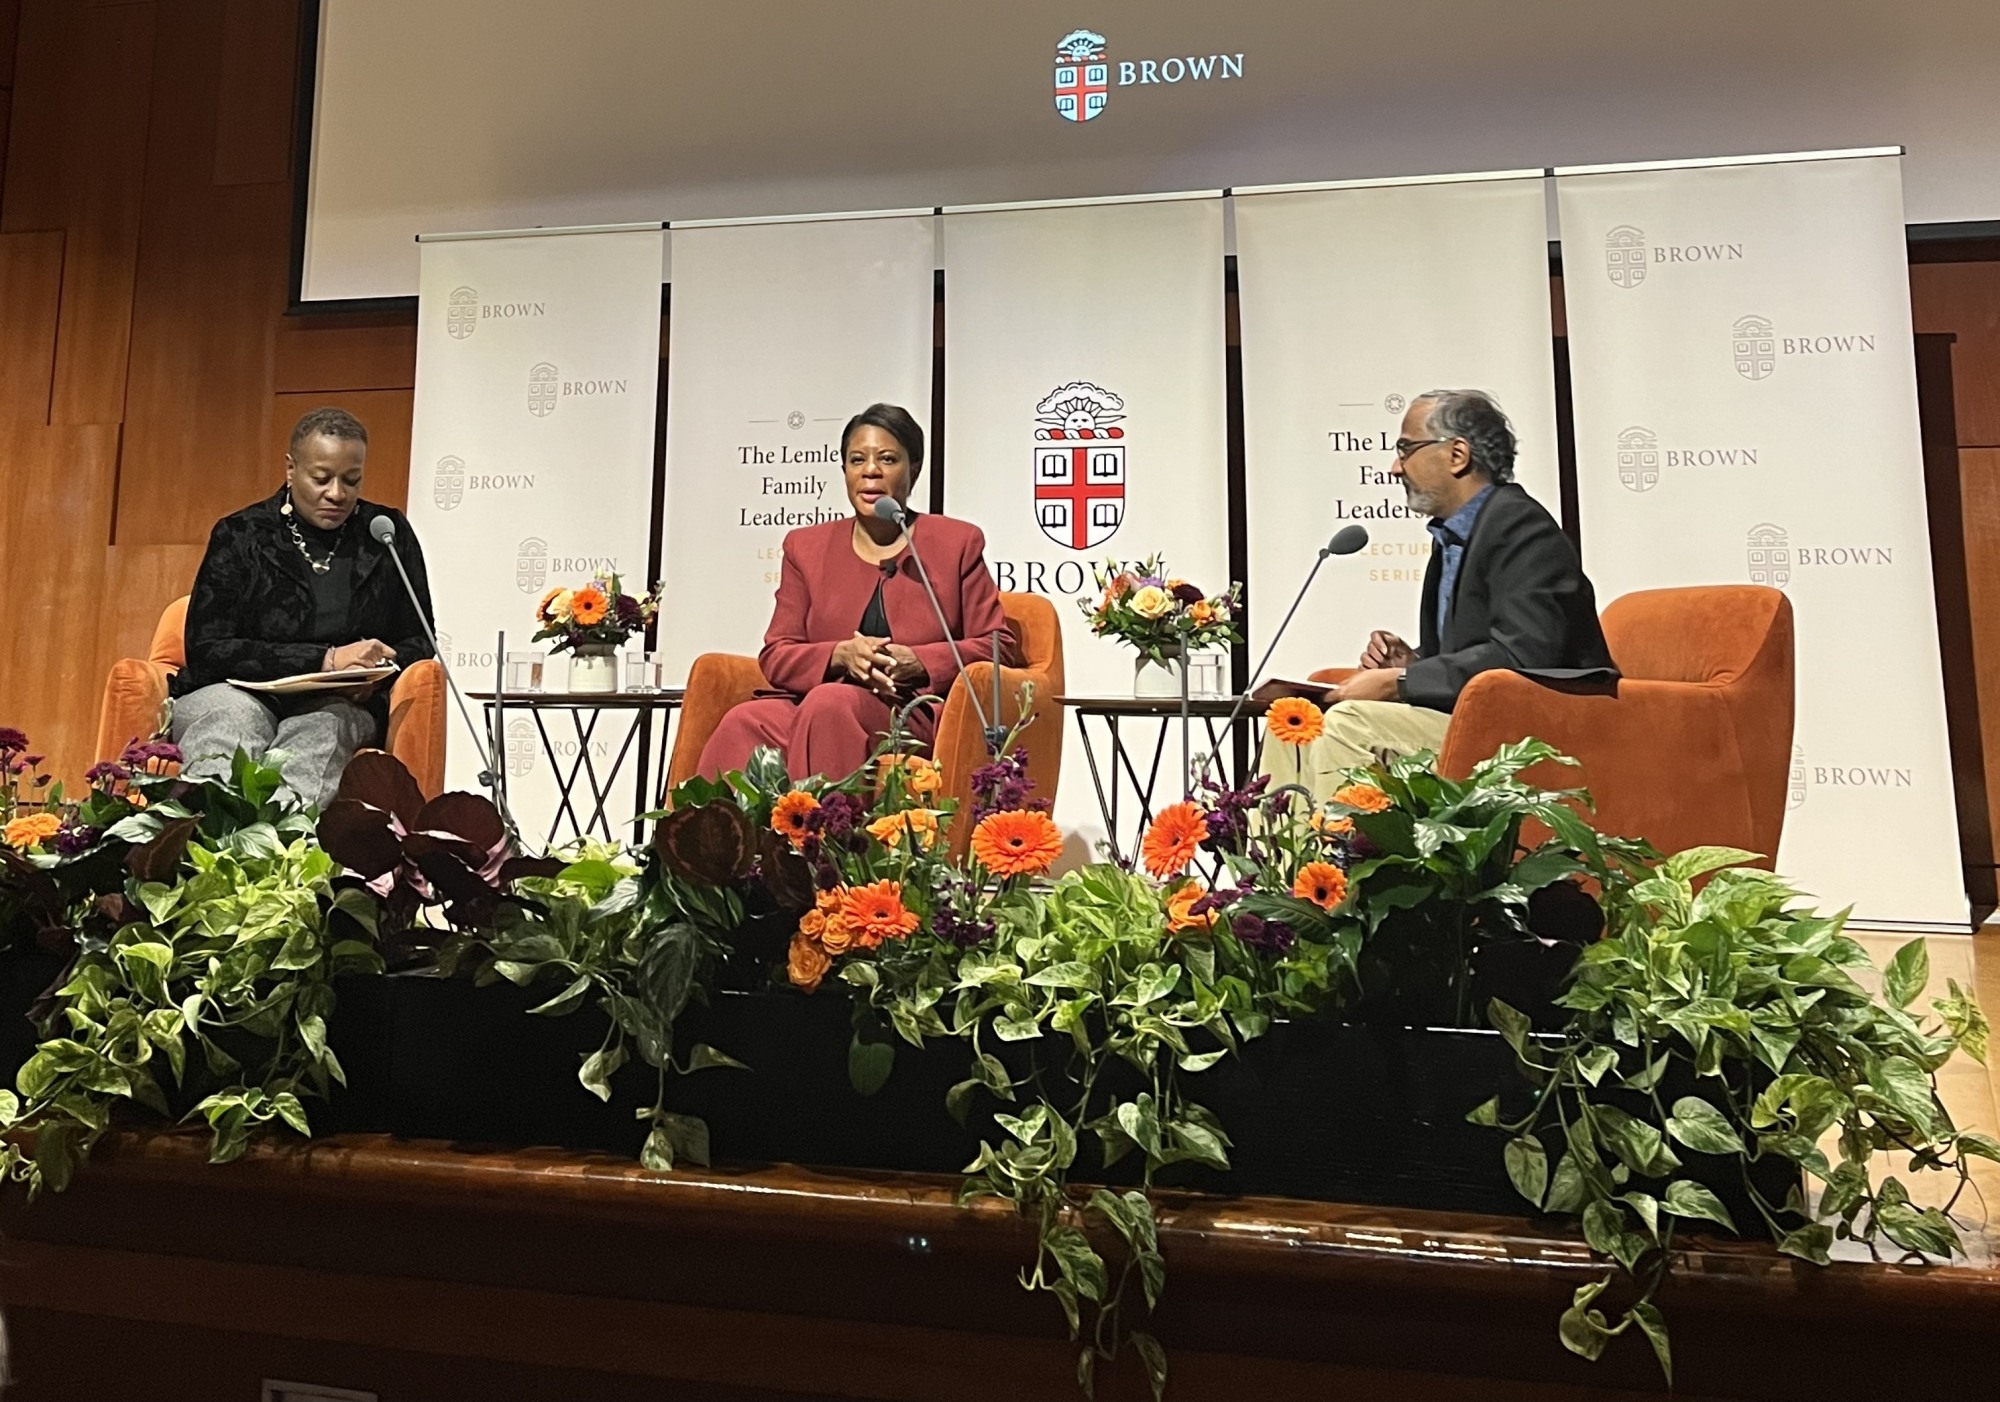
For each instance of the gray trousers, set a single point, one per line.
(317, 736)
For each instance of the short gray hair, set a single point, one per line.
(1473, 415)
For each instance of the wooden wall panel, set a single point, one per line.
(347, 352)
(387, 415)
(1964, 299)
(253, 108)
(37, 145)
(30, 286)
(1979, 497)
(105, 122)
(61, 481)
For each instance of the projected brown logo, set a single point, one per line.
(1770, 555)
(1083, 78)
(520, 747)
(1079, 465)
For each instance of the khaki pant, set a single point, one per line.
(1357, 733)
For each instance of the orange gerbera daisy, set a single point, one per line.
(806, 963)
(789, 814)
(1295, 720)
(875, 912)
(1180, 909)
(1173, 839)
(1365, 798)
(889, 829)
(1322, 883)
(1019, 842)
(35, 828)
(588, 606)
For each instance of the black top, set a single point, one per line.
(259, 612)
(1521, 602)
(875, 618)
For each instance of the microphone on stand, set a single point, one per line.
(383, 528)
(1346, 541)
(890, 510)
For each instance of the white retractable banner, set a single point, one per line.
(1085, 419)
(780, 333)
(1354, 301)
(531, 462)
(1746, 410)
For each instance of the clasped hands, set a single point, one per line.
(885, 668)
(1382, 664)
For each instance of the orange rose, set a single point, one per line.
(836, 936)
(806, 964)
(923, 777)
(1365, 798)
(876, 912)
(1332, 827)
(1295, 720)
(1173, 839)
(31, 830)
(1322, 883)
(1019, 842)
(812, 924)
(1201, 612)
(889, 829)
(1180, 909)
(789, 814)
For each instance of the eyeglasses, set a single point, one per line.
(1407, 446)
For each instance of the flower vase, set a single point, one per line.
(593, 669)
(1158, 679)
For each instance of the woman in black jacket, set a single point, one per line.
(296, 583)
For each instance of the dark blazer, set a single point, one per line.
(825, 587)
(251, 613)
(1521, 602)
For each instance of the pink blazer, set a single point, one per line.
(824, 589)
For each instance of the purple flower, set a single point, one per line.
(106, 773)
(1221, 899)
(838, 815)
(74, 837)
(1264, 936)
(1229, 812)
(1002, 787)
(948, 924)
(145, 754)
(1187, 593)
(12, 741)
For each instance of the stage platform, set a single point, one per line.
(426, 1270)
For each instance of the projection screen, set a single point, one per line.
(485, 114)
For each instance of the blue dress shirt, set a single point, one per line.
(1451, 534)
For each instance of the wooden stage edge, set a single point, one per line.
(766, 1281)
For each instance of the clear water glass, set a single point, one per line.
(524, 672)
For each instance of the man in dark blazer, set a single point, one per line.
(1504, 589)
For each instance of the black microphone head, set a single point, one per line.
(1347, 540)
(383, 529)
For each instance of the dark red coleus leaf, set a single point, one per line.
(463, 815)
(380, 780)
(710, 844)
(359, 837)
(787, 875)
(158, 859)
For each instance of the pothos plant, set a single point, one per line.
(203, 963)
(1717, 1034)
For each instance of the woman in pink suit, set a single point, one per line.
(853, 636)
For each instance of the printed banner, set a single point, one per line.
(1354, 301)
(781, 333)
(531, 463)
(1084, 417)
(1746, 409)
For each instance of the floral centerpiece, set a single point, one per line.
(592, 622)
(1159, 616)
(597, 614)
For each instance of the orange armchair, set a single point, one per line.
(719, 680)
(1695, 744)
(135, 697)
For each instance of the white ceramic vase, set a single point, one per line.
(593, 670)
